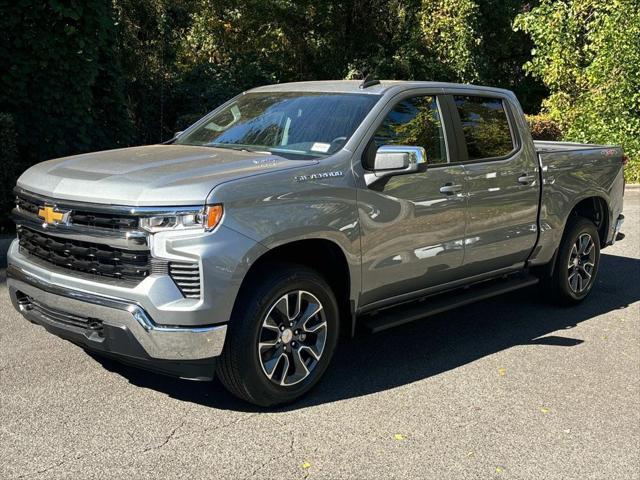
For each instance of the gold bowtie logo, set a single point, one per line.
(49, 215)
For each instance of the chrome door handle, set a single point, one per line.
(525, 179)
(450, 189)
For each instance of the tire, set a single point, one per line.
(571, 284)
(252, 365)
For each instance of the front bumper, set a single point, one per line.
(110, 325)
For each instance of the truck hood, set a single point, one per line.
(155, 175)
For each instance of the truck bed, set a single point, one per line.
(547, 146)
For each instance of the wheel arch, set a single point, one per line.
(322, 255)
(596, 209)
(593, 207)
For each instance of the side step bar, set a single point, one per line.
(408, 312)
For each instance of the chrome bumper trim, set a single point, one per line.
(160, 342)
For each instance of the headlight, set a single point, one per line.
(206, 219)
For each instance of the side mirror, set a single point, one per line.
(391, 160)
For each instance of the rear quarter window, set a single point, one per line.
(485, 126)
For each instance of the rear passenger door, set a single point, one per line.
(501, 183)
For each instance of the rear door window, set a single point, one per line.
(485, 126)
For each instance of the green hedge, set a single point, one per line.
(544, 128)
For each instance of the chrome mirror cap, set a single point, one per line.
(393, 160)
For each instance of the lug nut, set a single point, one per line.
(281, 328)
(293, 344)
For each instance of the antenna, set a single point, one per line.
(368, 82)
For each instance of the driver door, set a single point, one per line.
(412, 225)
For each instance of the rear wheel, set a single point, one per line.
(577, 262)
(281, 337)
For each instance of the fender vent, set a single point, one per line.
(187, 278)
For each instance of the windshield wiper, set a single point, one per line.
(239, 148)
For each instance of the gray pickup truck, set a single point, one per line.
(295, 213)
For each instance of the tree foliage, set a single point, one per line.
(60, 77)
(588, 54)
(80, 75)
(10, 167)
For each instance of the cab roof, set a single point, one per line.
(353, 86)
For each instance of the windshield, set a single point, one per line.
(288, 123)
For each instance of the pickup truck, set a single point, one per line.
(297, 213)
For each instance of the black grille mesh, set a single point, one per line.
(85, 257)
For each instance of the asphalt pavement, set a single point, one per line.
(509, 388)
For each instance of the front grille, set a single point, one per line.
(26, 205)
(84, 256)
(187, 278)
(81, 217)
(104, 220)
(89, 324)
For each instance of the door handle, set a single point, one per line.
(525, 179)
(450, 189)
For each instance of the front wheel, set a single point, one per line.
(577, 262)
(281, 337)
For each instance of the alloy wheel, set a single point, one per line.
(581, 263)
(292, 338)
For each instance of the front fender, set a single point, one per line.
(317, 202)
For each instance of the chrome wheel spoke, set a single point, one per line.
(269, 324)
(268, 344)
(572, 256)
(584, 270)
(573, 281)
(309, 312)
(281, 308)
(582, 244)
(314, 328)
(589, 247)
(271, 365)
(311, 351)
(285, 369)
(300, 368)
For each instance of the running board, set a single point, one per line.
(408, 312)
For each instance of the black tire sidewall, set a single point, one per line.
(268, 290)
(576, 227)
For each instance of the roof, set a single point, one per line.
(353, 86)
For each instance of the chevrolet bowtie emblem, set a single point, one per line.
(51, 216)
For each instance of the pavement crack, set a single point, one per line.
(167, 439)
(276, 457)
(230, 424)
(50, 467)
(44, 470)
